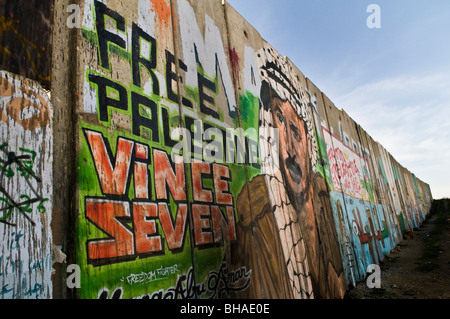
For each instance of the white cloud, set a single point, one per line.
(410, 117)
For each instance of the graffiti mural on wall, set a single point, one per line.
(147, 205)
(367, 225)
(289, 205)
(363, 227)
(348, 171)
(114, 180)
(143, 205)
(189, 187)
(25, 189)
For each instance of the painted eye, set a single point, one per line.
(280, 118)
(295, 131)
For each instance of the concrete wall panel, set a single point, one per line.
(133, 234)
(222, 157)
(205, 159)
(26, 158)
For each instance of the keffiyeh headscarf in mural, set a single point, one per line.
(278, 72)
(278, 75)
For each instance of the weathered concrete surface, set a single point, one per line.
(64, 98)
(193, 155)
(26, 39)
(311, 199)
(26, 188)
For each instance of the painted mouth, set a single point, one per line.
(294, 169)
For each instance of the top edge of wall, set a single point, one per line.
(228, 6)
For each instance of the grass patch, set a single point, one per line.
(430, 255)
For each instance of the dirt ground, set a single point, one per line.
(418, 268)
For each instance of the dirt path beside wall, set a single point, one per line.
(418, 268)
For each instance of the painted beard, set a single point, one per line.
(294, 169)
(290, 167)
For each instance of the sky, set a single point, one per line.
(393, 80)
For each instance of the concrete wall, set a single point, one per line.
(195, 161)
(26, 188)
(26, 150)
(26, 39)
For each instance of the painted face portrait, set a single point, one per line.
(293, 148)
